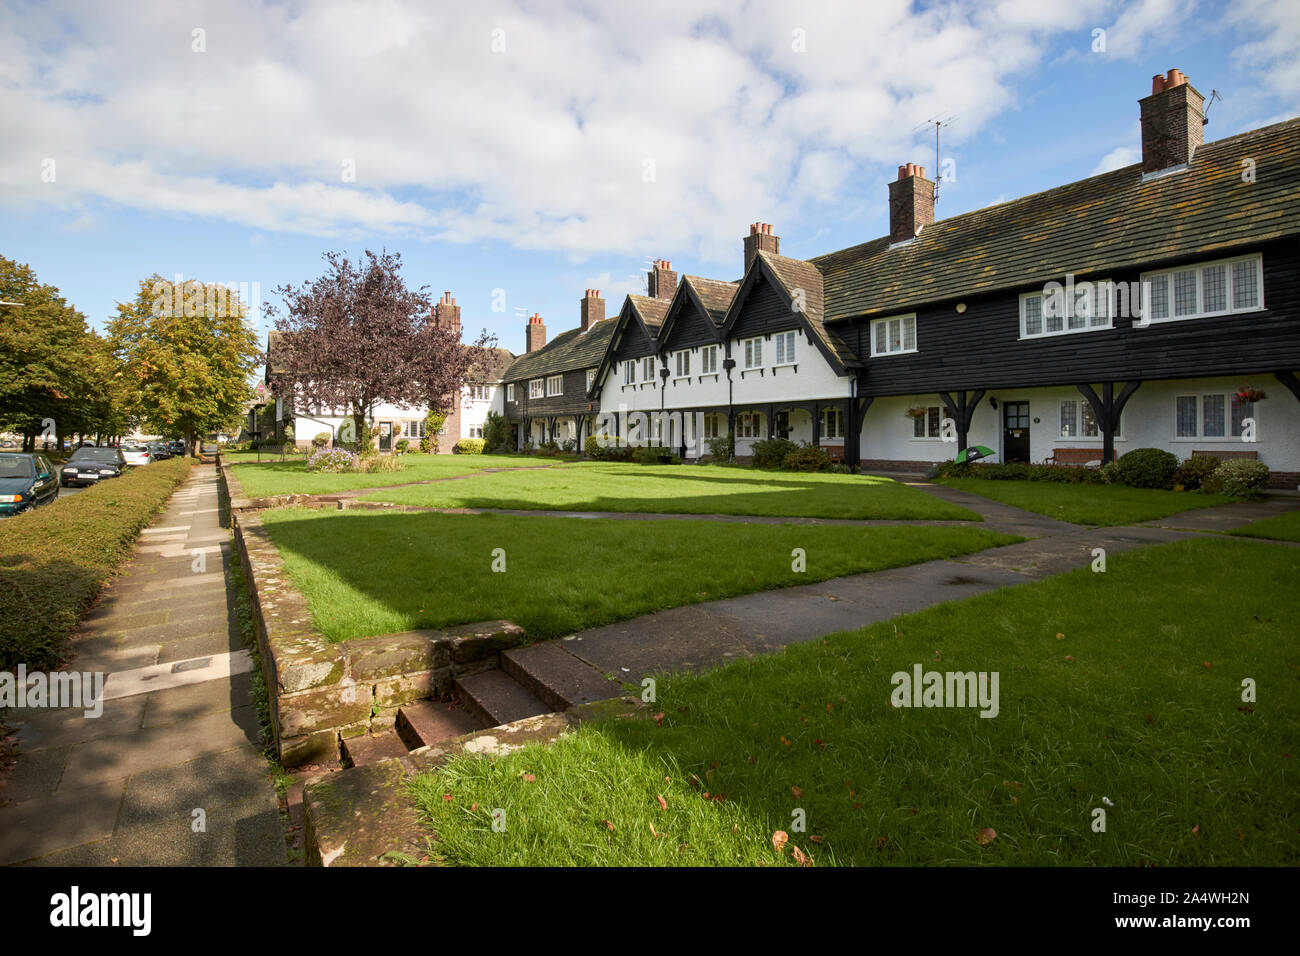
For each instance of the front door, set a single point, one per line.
(385, 436)
(1015, 431)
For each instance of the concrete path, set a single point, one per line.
(123, 788)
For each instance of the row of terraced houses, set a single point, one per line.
(1153, 306)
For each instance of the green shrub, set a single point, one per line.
(1023, 471)
(807, 458)
(650, 454)
(722, 448)
(548, 447)
(771, 452)
(568, 445)
(596, 449)
(53, 561)
(618, 453)
(321, 440)
(1238, 478)
(403, 444)
(1109, 473)
(433, 423)
(497, 439)
(1148, 468)
(1194, 472)
(468, 446)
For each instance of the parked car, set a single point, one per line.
(160, 450)
(178, 447)
(26, 481)
(137, 454)
(90, 464)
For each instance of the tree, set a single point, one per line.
(53, 369)
(188, 355)
(357, 336)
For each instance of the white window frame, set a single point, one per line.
(752, 349)
(629, 371)
(554, 385)
(510, 393)
(1103, 300)
(683, 360)
(537, 388)
(938, 435)
(1082, 404)
(711, 427)
(648, 368)
(903, 321)
(786, 349)
(828, 413)
(748, 427)
(1200, 436)
(1166, 276)
(591, 378)
(709, 360)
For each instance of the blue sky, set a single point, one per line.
(546, 148)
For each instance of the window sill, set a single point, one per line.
(793, 365)
(1192, 318)
(751, 371)
(1024, 337)
(1219, 439)
(892, 354)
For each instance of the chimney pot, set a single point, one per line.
(911, 203)
(662, 281)
(1172, 122)
(760, 239)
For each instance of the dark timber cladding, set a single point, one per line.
(696, 313)
(569, 355)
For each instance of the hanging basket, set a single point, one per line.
(917, 411)
(1249, 394)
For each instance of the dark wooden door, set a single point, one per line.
(1015, 431)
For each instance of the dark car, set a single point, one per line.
(178, 447)
(161, 450)
(26, 481)
(90, 464)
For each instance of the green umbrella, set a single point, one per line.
(974, 453)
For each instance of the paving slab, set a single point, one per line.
(49, 823)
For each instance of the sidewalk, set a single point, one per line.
(123, 788)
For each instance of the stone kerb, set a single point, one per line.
(321, 691)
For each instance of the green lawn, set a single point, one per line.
(685, 489)
(291, 476)
(1087, 504)
(366, 572)
(1123, 686)
(1283, 527)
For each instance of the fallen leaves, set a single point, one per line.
(659, 718)
(798, 793)
(609, 825)
(799, 856)
(663, 804)
(779, 840)
(986, 836)
(529, 777)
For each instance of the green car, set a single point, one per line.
(26, 481)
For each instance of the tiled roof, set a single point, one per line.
(490, 365)
(714, 294)
(801, 278)
(1105, 222)
(651, 311)
(567, 351)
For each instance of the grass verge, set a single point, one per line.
(1123, 687)
(1284, 527)
(1101, 505)
(366, 572)
(683, 489)
(291, 476)
(55, 559)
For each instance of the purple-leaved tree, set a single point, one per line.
(357, 336)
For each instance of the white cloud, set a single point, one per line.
(1276, 55)
(1117, 158)
(543, 146)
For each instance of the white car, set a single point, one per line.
(136, 454)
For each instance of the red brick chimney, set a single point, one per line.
(663, 280)
(447, 313)
(760, 238)
(534, 333)
(911, 203)
(592, 309)
(1173, 122)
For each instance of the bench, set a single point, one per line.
(1224, 455)
(1076, 456)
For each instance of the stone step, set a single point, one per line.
(426, 722)
(371, 748)
(495, 698)
(557, 677)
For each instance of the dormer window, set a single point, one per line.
(1223, 287)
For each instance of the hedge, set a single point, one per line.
(55, 560)
(468, 446)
